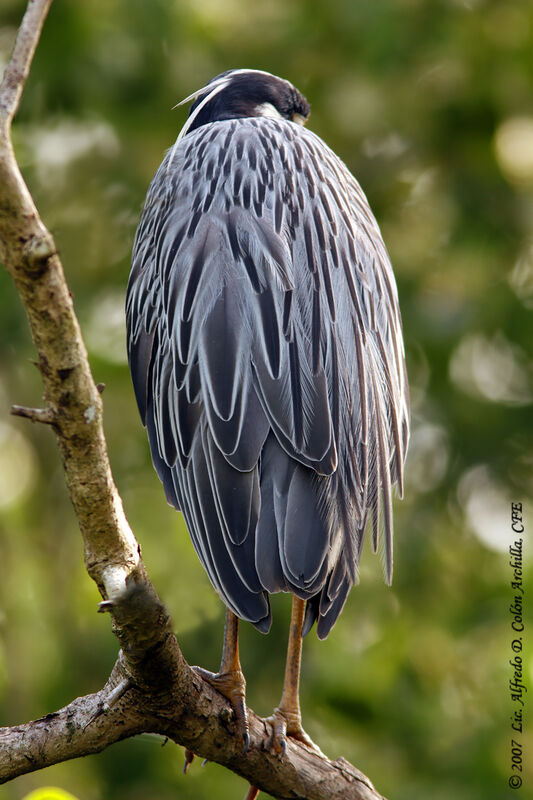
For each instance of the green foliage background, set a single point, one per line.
(430, 103)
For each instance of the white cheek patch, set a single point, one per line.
(268, 110)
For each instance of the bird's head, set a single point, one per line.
(240, 93)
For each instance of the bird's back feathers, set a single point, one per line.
(266, 352)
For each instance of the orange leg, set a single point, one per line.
(229, 680)
(287, 719)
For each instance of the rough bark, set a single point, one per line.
(73, 402)
(151, 687)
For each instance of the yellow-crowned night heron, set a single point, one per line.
(266, 351)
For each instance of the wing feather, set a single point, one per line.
(265, 346)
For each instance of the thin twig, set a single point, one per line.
(44, 415)
(18, 68)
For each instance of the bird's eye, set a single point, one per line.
(299, 119)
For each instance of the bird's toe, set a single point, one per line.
(232, 686)
(284, 724)
(276, 742)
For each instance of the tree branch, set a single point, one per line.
(73, 731)
(44, 415)
(18, 68)
(30, 256)
(151, 687)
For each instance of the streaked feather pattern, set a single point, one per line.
(266, 352)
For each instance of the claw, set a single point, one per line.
(189, 758)
(285, 724)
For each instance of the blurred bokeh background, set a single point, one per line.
(430, 103)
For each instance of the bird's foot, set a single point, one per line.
(232, 686)
(287, 723)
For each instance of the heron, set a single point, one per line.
(266, 352)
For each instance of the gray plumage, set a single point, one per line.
(266, 352)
